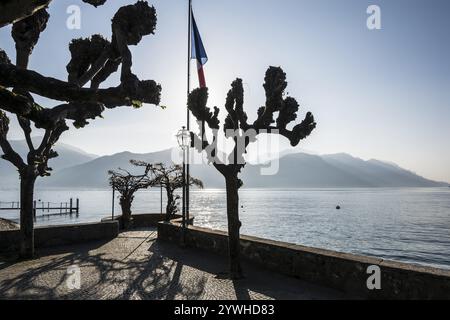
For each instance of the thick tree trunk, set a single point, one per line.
(125, 204)
(170, 204)
(27, 181)
(234, 226)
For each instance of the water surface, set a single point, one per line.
(409, 225)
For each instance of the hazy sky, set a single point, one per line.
(381, 94)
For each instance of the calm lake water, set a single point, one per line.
(409, 225)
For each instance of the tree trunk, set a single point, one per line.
(170, 204)
(234, 226)
(125, 204)
(27, 181)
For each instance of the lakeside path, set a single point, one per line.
(136, 266)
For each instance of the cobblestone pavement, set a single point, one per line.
(136, 266)
(6, 224)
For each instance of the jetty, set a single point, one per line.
(52, 208)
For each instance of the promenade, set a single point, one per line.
(136, 266)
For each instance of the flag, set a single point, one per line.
(198, 52)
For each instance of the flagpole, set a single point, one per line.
(187, 110)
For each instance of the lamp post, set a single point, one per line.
(184, 141)
(113, 196)
(161, 196)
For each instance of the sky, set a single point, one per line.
(382, 94)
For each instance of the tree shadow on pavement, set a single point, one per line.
(258, 282)
(140, 268)
(103, 276)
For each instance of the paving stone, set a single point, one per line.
(136, 266)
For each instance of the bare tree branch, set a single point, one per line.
(12, 11)
(93, 59)
(237, 128)
(171, 179)
(9, 154)
(143, 92)
(26, 34)
(15, 10)
(96, 58)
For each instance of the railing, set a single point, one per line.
(52, 208)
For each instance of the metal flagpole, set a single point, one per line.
(187, 115)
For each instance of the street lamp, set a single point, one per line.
(184, 141)
(184, 138)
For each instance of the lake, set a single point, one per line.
(408, 225)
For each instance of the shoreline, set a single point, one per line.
(328, 268)
(327, 188)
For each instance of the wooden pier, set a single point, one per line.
(52, 208)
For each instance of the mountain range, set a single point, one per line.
(75, 168)
(69, 156)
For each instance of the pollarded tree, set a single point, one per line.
(237, 127)
(93, 60)
(15, 10)
(127, 184)
(171, 179)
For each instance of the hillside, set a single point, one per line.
(77, 169)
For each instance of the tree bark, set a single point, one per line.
(125, 204)
(27, 181)
(234, 226)
(170, 203)
(14, 10)
(147, 91)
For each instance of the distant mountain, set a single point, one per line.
(69, 156)
(338, 170)
(95, 173)
(76, 169)
(294, 170)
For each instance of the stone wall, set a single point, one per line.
(345, 272)
(61, 235)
